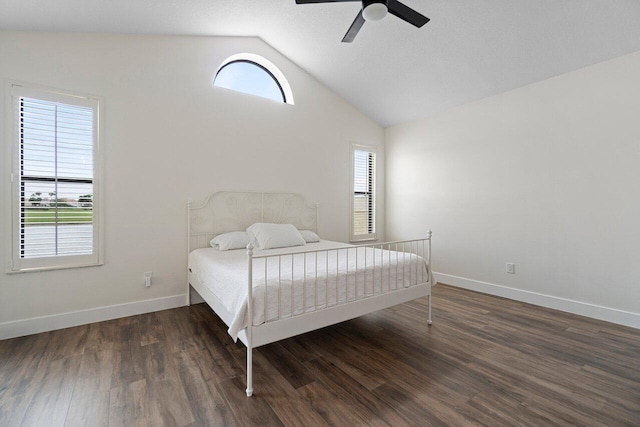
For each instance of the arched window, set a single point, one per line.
(255, 75)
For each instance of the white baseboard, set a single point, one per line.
(36, 325)
(612, 315)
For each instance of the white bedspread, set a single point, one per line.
(320, 279)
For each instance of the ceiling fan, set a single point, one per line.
(375, 10)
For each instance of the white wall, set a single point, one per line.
(546, 176)
(171, 137)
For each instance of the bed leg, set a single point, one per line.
(249, 372)
(431, 281)
(250, 320)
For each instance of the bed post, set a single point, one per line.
(250, 321)
(188, 250)
(429, 321)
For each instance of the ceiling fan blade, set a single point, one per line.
(321, 1)
(354, 28)
(406, 13)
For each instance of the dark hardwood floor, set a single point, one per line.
(485, 361)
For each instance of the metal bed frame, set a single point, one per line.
(228, 211)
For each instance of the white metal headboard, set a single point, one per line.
(227, 211)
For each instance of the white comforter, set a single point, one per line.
(319, 279)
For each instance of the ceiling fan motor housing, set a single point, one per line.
(374, 10)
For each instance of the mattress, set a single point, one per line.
(292, 283)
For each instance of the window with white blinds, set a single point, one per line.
(363, 203)
(55, 179)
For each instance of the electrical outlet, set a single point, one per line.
(147, 278)
(511, 268)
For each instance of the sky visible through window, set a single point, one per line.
(248, 78)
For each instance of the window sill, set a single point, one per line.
(368, 239)
(51, 268)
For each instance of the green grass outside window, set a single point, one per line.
(65, 216)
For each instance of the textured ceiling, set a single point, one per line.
(393, 72)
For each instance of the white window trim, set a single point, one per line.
(14, 264)
(371, 236)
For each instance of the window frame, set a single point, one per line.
(372, 234)
(262, 67)
(268, 66)
(15, 263)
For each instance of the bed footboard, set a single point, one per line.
(313, 289)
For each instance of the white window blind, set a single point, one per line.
(363, 221)
(55, 223)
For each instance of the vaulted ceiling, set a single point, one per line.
(392, 72)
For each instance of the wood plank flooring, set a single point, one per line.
(484, 361)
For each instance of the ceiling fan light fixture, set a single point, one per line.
(375, 11)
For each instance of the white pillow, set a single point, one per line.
(233, 240)
(309, 236)
(270, 236)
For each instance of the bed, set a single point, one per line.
(268, 295)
